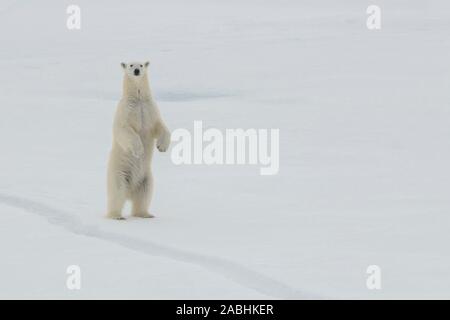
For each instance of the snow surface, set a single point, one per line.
(364, 126)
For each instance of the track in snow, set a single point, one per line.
(231, 270)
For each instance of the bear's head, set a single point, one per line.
(135, 70)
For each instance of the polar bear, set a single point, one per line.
(137, 124)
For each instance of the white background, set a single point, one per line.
(364, 153)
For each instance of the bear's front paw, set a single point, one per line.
(163, 143)
(162, 147)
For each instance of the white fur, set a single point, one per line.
(137, 125)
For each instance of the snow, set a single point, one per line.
(363, 118)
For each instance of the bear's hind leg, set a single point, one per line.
(116, 201)
(141, 198)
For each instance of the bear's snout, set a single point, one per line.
(136, 72)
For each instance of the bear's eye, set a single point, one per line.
(141, 65)
(131, 66)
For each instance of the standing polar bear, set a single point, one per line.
(137, 125)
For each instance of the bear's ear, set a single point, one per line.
(147, 63)
(123, 64)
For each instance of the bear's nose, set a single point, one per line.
(136, 72)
